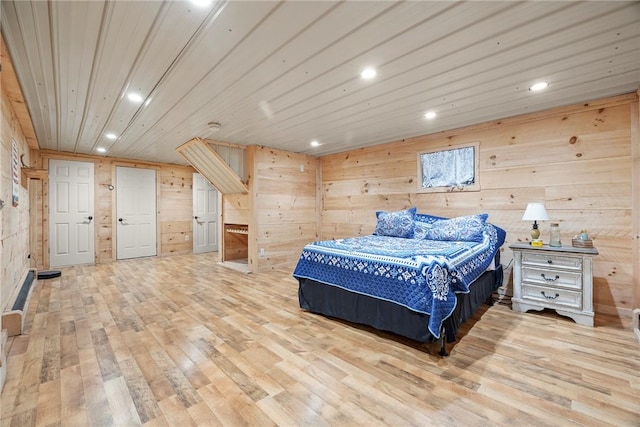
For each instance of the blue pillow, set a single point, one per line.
(423, 223)
(395, 224)
(428, 218)
(461, 229)
(420, 230)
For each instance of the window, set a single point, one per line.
(449, 169)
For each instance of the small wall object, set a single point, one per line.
(15, 172)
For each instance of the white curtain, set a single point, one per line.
(448, 168)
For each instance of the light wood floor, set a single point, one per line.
(182, 341)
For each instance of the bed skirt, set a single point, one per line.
(387, 316)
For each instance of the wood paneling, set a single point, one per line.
(577, 160)
(235, 208)
(175, 209)
(635, 197)
(283, 188)
(14, 220)
(15, 232)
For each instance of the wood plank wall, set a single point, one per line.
(235, 209)
(175, 209)
(175, 206)
(577, 160)
(283, 187)
(14, 220)
(635, 154)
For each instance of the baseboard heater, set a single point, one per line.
(14, 319)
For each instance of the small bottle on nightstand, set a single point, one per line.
(554, 239)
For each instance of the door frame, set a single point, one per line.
(114, 213)
(43, 210)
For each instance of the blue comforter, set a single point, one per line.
(422, 275)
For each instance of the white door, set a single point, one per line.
(205, 215)
(135, 212)
(71, 230)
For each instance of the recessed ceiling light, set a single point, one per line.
(315, 143)
(538, 86)
(134, 97)
(111, 135)
(430, 115)
(202, 3)
(101, 150)
(368, 73)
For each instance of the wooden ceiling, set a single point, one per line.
(282, 74)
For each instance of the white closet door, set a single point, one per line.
(205, 215)
(71, 229)
(135, 213)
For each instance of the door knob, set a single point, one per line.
(195, 217)
(120, 219)
(90, 218)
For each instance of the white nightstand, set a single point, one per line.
(560, 278)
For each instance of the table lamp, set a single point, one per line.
(535, 212)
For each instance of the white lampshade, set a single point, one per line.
(535, 212)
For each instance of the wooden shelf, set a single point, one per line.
(35, 173)
(237, 231)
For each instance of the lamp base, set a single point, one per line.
(535, 234)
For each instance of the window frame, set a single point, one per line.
(449, 189)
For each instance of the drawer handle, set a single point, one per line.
(549, 279)
(549, 297)
(549, 261)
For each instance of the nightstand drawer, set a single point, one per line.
(552, 260)
(553, 278)
(552, 297)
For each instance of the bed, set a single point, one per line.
(419, 276)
